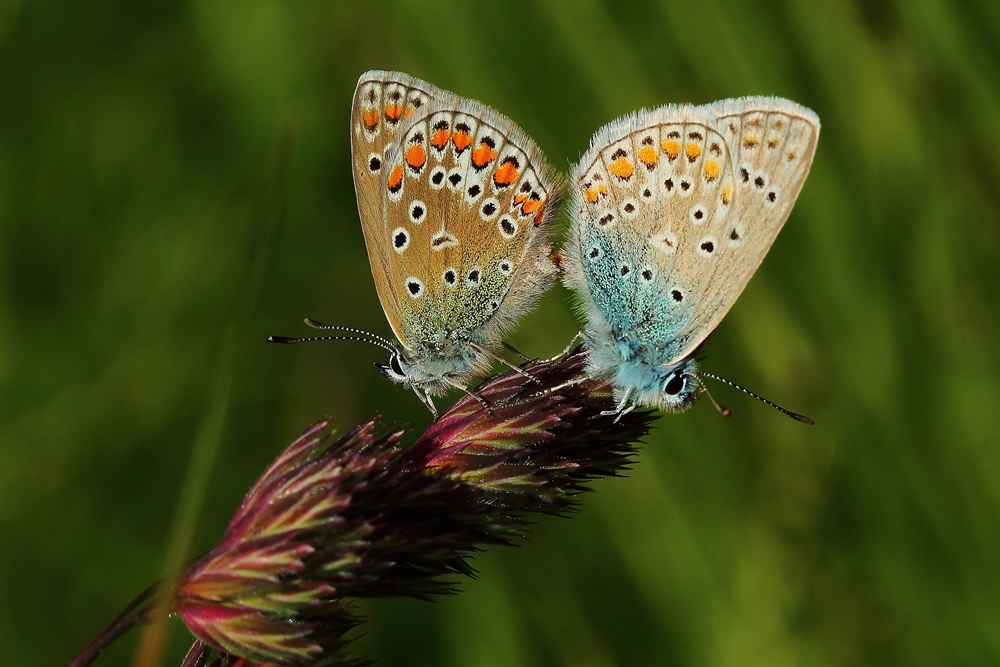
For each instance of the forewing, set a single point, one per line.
(668, 232)
(383, 101)
(466, 205)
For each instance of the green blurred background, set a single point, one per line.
(156, 156)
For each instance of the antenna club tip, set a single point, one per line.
(726, 412)
(804, 419)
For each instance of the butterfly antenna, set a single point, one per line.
(332, 327)
(794, 415)
(285, 340)
(362, 336)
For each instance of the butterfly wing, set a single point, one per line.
(382, 103)
(676, 208)
(465, 199)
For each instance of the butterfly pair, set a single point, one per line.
(673, 210)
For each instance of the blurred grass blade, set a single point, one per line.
(209, 438)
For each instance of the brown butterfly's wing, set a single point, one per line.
(689, 200)
(466, 199)
(383, 101)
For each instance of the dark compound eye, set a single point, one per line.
(394, 365)
(675, 385)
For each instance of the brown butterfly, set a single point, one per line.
(455, 204)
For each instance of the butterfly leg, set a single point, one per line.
(569, 348)
(426, 400)
(620, 409)
(516, 351)
(482, 401)
(493, 355)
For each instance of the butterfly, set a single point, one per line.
(674, 210)
(455, 203)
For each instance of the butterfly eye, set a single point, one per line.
(395, 366)
(675, 385)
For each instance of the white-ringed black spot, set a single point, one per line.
(772, 196)
(706, 247)
(595, 253)
(697, 214)
(629, 207)
(489, 208)
(374, 162)
(676, 295)
(734, 235)
(669, 184)
(744, 174)
(508, 228)
(494, 305)
(437, 178)
(685, 186)
(454, 178)
(625, 269)
(400, 240)
(647, 275)
(449, 277)
(417, 211)
(646, 193)
(759, 181)
(606, 219)
(505, 267)
(414, 287)
(474, 191)
(473, 277)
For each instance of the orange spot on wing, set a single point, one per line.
(520, 198)
(505, 174)
(393, 111)
(416, 156)
(539, 216)
(591, 195)
(621, 168)
(692, 151)
(727, 194)
(648, 156)
(602, 189)
(483, 155)
(396, 178)
(440, 139)
(370, 118)
(671, 147)
(531, 206)
(461, 140)
(750, 141)
(712, 170)
(409, 111)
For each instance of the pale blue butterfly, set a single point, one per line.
(674, 210)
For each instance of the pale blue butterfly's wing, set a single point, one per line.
(668, 229)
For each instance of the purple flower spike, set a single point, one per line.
(360, 516)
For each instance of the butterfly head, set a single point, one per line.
(398, 368)
(679, 388)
